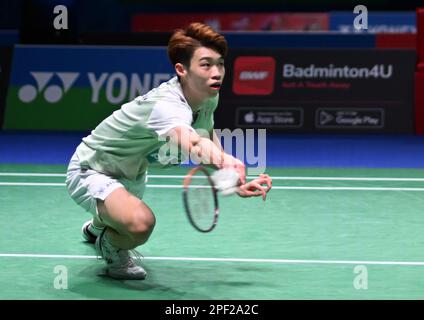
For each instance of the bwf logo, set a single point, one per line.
(52, 93)
(254, 75)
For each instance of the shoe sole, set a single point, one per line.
(125, 277)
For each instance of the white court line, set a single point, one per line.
(347, 179)
(190, 259)
(178, 186)
(32, 184)
(346, 188)
(154, 176)
(167, 186)
(28, 174)
(303, 178)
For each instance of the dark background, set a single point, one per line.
(33, 18)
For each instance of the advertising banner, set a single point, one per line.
(319, 90)
(74, 88)
(378, 22)
(235, 21)
(300, 90)
(301, 40)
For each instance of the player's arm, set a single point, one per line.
(205, 150)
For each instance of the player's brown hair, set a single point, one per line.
(184, 41)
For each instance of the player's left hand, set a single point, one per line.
(257, 187)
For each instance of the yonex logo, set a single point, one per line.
(254, 75)
(52, 93)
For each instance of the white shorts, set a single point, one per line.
(86, 185)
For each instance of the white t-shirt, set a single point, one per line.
(122, 145)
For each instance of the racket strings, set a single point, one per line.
(200, 200)
(201, 204)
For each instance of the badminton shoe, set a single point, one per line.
(88, 233)
(120, 264)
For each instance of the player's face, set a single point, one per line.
(206, 72)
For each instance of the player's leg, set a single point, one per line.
(75, 183)
(94, 227)
(129, 221)
(88, 187)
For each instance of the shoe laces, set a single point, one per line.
(129, 258)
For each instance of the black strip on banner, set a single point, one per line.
(5, 61)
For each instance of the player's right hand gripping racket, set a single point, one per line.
(200, 195)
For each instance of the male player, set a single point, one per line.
(106, 175)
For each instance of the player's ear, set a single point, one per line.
(180, 69)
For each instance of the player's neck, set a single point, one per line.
(193, 100)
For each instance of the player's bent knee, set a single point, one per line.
(141, 227)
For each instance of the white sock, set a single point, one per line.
(95, 230)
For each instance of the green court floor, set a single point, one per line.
(321, 234)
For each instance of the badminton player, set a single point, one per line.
(107, 173)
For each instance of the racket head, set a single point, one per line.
(200, 199)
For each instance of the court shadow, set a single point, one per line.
(93, 283)
(168, 281)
